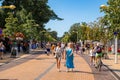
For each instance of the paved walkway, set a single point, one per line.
(115, 68)
(81, 71)
(42, 67)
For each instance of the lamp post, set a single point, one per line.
(77, 35)
(104, 7)
(116, 57)
(10, 6)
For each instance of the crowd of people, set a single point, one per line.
(59, 50)
(67, 50)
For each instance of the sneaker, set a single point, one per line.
(93, 64)
(58, 70)
(67, 71)
(55, 56)
(72, 70)
(96, 65)
(1, 58)
(47, 54)
(90, 64)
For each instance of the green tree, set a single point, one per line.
(74, 27)
(11, 25)
(65, 37)
(112, 15)
(54, 34)
(84, 31)
(74, 32)
(2, 17)
(36, 12)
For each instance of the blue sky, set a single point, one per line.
(73, 11)
(0, 3)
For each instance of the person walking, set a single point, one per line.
(77, 48)
(69, 57)
(53, 49)
(58, 55)
(14, 50)
(92, 56)
(48, 47)
(63, 47)
(2, 47)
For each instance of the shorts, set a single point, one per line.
(48, 49)
(99, 54)
(58, 56)
(1, 50)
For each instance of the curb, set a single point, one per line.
(113, 73)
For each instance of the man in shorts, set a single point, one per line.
(98, 52)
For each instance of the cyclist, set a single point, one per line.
(98, 53)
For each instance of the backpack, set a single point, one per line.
(99, 50)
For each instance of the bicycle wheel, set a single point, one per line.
(99, 65)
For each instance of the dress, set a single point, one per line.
(92, 53)
(58, 53)
(69, 58)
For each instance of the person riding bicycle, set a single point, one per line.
(98, 52)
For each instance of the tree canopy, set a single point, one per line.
(29, 17)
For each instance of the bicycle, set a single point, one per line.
(99, 63)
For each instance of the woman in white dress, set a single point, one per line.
(92, 56)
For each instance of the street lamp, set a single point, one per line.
(10, 6)
(116, 57)
(104, 7)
